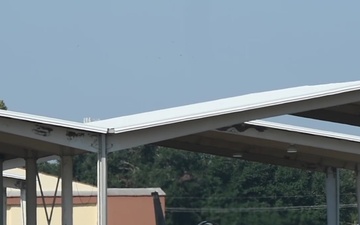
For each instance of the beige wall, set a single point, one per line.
(83, 214)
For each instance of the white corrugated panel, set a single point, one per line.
(51, 121)
(304, 130)
(224, 106)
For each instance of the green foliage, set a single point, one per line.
(85, 168)
(222, 190)
(52, 168)
(2, 105)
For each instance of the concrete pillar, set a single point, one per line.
(23, 206)
(5, 207)
(102, 182)
(332, 196)
(358, 190)
(31, 204)
(2, 200)
(67, 190)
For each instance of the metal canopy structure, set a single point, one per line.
(26, 139)
(22, 135)
(342, 99)
(218, 127)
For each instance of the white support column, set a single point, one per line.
(358, 190)
(23, 206)
(67, 190)
(102, 181)
(332, 196)
(5, 207)
(31, 204)
(2, 200)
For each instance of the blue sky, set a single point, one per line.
(101, 59)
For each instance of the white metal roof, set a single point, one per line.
(305, 130)
(195, 111)
(23, 134)
(226, 106)
(51, 121)
(20, 132)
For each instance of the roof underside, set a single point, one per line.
(23, 135)
(269, 143)
(345, 114)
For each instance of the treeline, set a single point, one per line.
(223, 190)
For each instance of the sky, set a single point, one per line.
(102, 59)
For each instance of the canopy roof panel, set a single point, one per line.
(25, 135)
(50, 121)
(308, 101)
(205, 127)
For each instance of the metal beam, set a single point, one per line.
(332, 196)
(31, 204)
(67, 190)
(13, 163)
(23, 206)
(102, 181)
(71, 138)
(5, 207)
(20, 162)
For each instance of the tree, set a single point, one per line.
(223, 190)
(2, 105)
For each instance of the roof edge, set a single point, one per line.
(52, 121)
(121, 192)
